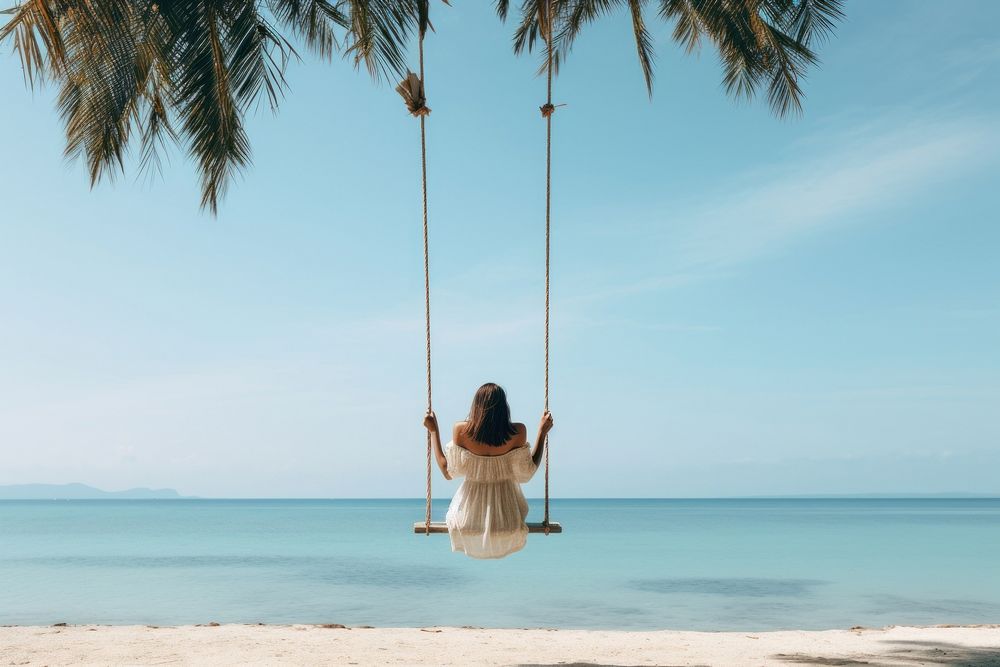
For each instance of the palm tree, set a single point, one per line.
(150, 72)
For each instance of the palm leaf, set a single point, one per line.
(760, 42)
(643, 43)
(317, 22)
(37, 39)
(378, 33)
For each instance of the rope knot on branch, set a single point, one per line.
(411, 89)
(547, 109)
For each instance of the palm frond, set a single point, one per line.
(257, 57)
(206, 101)
(532, 29)
(153, 119)
(502, 8)
(155, 126)
(760, 42)
(643, 43)
(37, 39)
(423, 10)
(378, 33)
(580, 13)
(150, 75)
(688, 30)
(528, 31)
(808, 21)
(99, 93)
(316, 22)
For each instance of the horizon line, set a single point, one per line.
(819, 496)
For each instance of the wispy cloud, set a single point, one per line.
(842, 181)
(835, 190)
(968, 62)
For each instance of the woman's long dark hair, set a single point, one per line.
(489, 417)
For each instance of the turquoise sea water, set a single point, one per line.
(683, 564)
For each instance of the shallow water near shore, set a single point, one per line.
(742, 564)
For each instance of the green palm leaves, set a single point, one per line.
(137, 75)
(143, 73)
(761, 43)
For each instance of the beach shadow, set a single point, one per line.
(906, 653)
(943, 653)
(803, 659)
(586, 664)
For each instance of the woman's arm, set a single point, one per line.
(431, 424)
(544, 427)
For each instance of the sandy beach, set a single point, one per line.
(976, 646)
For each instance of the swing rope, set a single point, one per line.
(412, 91)
(547, 110)
(427, 276)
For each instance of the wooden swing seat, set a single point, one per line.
(441, 527)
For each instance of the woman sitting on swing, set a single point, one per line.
(486, 516)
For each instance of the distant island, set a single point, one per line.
(80, 492)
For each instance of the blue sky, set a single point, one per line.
(741, 305)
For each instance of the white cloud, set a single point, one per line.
(835, 190)
(867, 170)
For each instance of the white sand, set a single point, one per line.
(977, 646)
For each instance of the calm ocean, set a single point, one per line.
(636, 564)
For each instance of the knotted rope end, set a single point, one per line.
(411, 89)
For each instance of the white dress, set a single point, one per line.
(486, 516)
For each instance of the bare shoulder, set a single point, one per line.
(520, 428)
(458, 431)
(521, 434)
